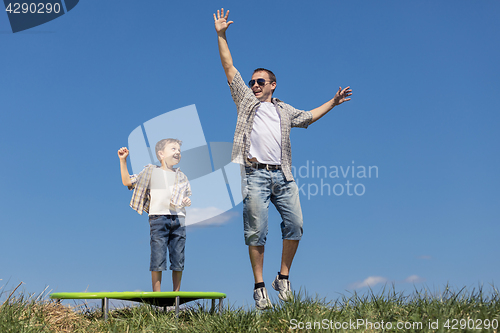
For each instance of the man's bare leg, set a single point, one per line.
(281, 283)
(156, 280)
(176, 280)
(257, 260)
(260, 296)
(289, 249)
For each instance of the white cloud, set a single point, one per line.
(372, 281)
(208, 216)
(414, 279)
(369, 282)
(425, 257)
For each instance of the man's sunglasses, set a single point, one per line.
(260, 82)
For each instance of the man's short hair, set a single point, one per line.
(160, 145)
(271, 74)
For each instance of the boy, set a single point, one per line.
(162, 192)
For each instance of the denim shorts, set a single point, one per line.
(261, 186)
(167, 231)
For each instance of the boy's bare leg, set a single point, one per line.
(289, 249)
(257, 260)
(176, 280)
(156, 280)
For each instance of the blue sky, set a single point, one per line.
(424, 111)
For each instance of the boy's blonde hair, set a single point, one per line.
(161, 144)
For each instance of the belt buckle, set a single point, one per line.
(253, 165)
(267, 167)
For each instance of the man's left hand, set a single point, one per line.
(342, 95)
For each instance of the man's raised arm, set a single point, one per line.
(340, 97)
(221, 25)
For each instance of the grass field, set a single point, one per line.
(390, 311)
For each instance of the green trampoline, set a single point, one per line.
(154, 298)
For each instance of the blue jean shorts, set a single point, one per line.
(167, 232)
(261, 186)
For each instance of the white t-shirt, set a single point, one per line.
(160, 188)
(265, 139)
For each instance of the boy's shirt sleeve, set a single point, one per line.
(182, 189)
(140, 184)
(133, 180)
(188, 193)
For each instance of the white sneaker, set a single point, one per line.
(261, 298)
(284, 288)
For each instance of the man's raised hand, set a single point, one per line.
(342, 95)
(221, 23)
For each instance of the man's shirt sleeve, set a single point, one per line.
(237, 88)
(242, 95)
(300, 118)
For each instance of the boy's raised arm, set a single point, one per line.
(221, 25)
(122, 154)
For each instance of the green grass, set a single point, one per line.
(355, 312)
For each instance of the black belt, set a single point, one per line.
(256, 165)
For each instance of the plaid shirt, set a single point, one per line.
(140, 184)
(246, 105)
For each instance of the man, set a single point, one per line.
(262, 144)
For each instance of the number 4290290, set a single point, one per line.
(477, 324)
(33, 8)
